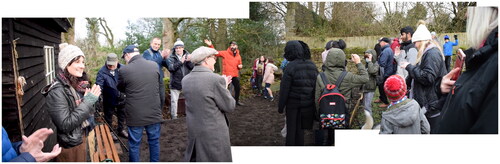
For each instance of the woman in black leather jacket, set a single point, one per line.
(429, 68)
(70, 103)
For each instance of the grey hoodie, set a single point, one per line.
(404, 118)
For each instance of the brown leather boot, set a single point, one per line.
(383, 105)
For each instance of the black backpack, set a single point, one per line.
(333, 112)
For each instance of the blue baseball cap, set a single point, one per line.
(129, 49)
(446, 37)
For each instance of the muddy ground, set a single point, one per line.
(258, 123)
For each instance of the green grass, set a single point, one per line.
(359, 117)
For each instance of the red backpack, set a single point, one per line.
(332, 105)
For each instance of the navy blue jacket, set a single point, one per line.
(10, 151)
(178, 69)
(386, 61)
(157, 58)
(108, 84)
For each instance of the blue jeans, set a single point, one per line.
(134, 141)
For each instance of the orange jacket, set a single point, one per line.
(230, 62)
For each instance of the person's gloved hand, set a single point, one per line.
(455, 36)
(121, 99)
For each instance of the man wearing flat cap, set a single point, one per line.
(107, 78)
(207, 102)
(140, 81)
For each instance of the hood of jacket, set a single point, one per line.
(296, 49)
(374, 54)
(404, 114)
(335, 60)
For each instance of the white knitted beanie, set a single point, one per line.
(178, 43)
(67, 53)
(422, 33)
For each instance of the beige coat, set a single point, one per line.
(207, 101)
(269, 73)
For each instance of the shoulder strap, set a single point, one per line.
(324, 79)
(151, 52)
(340, 79)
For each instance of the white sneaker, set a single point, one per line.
(283, 132)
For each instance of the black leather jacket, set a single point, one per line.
(65, 114)
(425, 74)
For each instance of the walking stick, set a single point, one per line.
(355, 108)
(112, 131)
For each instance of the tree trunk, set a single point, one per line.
(168, 33)
(322, 9)
(69, 37)
(310, 6)
(93, 32)
(290, 19)
(222, 40)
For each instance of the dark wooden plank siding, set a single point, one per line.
(31, 36)
(10, 118)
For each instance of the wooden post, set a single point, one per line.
(19, 92)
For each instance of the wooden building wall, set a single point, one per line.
(30, 35)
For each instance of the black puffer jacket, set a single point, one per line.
(178, 69)
(65, 114)
(473, 105)
(299, 80)
(425, 74)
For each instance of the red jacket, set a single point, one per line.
(230, 62)
(395, 43)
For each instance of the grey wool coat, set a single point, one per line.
(404, 118)
(140, 81)
(207, 101)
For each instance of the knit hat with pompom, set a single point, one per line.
(395, 88)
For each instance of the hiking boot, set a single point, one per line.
(265, 97)
(271, 99)
(240, 104)
(377, 101)
(123, 133)
(114, 137)
(383, 105)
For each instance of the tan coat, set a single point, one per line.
(269, 73)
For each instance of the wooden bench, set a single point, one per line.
(106, 150)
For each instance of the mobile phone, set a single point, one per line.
(459, 63)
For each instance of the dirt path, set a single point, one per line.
(258, 123)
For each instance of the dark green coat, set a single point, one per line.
(334, 65)
(372, 68)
